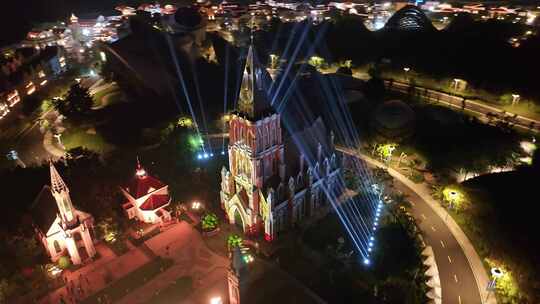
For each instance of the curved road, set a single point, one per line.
(462, 275)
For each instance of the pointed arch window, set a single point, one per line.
(57, 247)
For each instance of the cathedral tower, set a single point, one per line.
(255, 150)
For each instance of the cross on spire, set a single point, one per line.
(140, 172)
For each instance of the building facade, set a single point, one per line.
(273, 182)
(63, 230)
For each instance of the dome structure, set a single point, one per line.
(184, 20)
(394, 120)
(410, 18)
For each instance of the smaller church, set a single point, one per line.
(147, 198)
(62, 229)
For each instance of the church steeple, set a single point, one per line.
(57, 183)
(252, 99)
(60, 192)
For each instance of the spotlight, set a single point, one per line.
(370, 244)
(372, 238)
(211, 154)
(369, 249)
(205, 155)
(222, 152)
(199, 156)
(366, 261)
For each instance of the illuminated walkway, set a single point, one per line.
(463, 277)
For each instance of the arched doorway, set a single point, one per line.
(238, 221)
(236, 217)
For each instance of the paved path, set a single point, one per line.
(463, 277)
(96, 275)
(192, 258)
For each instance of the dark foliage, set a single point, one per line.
(77, 103)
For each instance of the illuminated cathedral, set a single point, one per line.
(275, 179)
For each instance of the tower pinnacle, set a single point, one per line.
(252, 99)
(57, 183)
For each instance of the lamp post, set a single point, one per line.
(515, 98)
(456, 84)
(496, 273)
(407, 69)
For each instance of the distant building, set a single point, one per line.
(273, 182)
(147, 198)
(62, 229)
(27, 71)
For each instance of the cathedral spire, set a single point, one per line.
(252, 99)
(57, 183)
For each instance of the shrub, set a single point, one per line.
(234, 241)
(64, 262)
(209, 221)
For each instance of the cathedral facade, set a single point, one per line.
(273, 182)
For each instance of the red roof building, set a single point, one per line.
(147, 198)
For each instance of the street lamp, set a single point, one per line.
(456, 83)
(515, 98)
(496, 273)
(407, 69)
(196, 205)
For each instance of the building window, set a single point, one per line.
(30, 88)
(56, 245)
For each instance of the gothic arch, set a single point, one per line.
(236, 207)
(57, 247)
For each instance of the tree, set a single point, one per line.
(209, 221)
(64, 262)
(77, 102)
(234, 241)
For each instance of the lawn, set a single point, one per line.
(174, 293)
(133, 280)
(75, 137)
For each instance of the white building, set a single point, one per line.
(62, 228)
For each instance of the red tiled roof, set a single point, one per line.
(155, 201)
(140, 186)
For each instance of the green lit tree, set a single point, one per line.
(64, 262)
(234, 241)
(209, 221)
